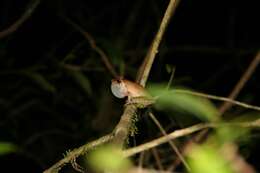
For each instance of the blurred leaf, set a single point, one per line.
(236, 133)
(108, 158)
(82, 80)
(171, 99)
(230, 133)
(247, 117)
(205, 159)
(7, 147)
(38, 78)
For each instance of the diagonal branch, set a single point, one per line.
(172, 144)
(184, 132)
(213, 97)
(97, 49)
(241, 83)
(145, 69)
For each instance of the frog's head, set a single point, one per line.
(119, 88)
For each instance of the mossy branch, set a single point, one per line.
(77, 152)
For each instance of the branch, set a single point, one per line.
(172, 144)
(145, 69)
(97, 49)
(213, 97)
(185, 132)
(77, 152)
(241, 83)
(164, 139)
(123, 127)
(21, 20)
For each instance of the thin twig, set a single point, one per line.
(185, 132)
(157, 158)
(145, 69)
(171, 78)
(141, 161)
(213, 97)
(164, 139)
(97, 49)
(241, 83)
(174, 147)
(28, 12)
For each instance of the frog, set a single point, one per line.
(135, 93)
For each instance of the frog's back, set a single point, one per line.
(135, 90)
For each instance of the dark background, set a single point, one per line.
(55, 91)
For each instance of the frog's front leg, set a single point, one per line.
(141, 102)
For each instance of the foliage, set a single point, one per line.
(108, 158)
(206, 159)
(170, 99)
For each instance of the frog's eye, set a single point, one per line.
(116, 81)
(119, 89)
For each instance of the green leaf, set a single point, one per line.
(7, 147)
(108, 158)
(180, 101)
(205, 159)
(234, 132)
(231, 133)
